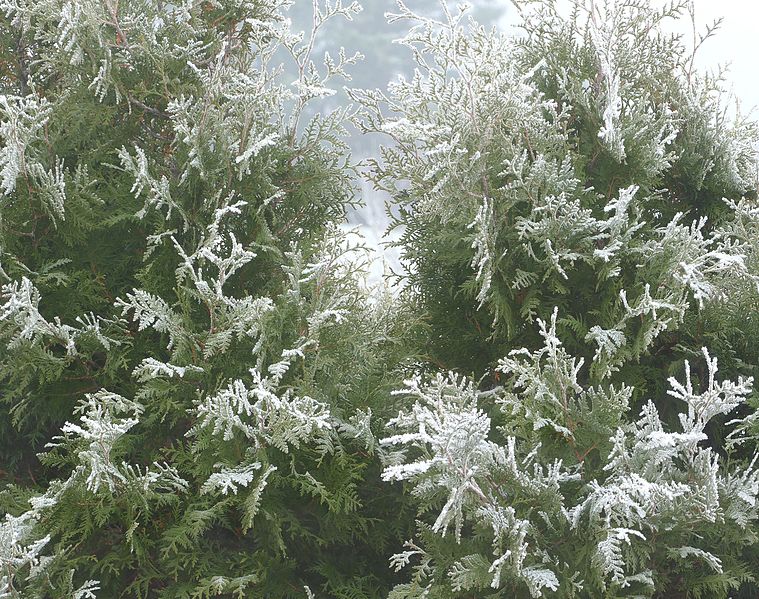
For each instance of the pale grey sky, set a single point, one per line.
(736, 43)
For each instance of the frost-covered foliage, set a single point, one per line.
(560, 168)
(19, 551)
(595, 504)
(22, 319)
(191, 371)
(578, 220)
(198, 396)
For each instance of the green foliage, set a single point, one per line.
(199, 397)
(192, 374)
(577, 218)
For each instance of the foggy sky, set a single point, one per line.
(736, 43)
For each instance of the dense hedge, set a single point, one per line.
(200, 397)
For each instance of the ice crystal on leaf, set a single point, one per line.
(262, 415)
(105, 418)
(23, 120)
(19, 550)
(20, 316)
(447, 426)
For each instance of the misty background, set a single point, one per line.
(734, 46)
